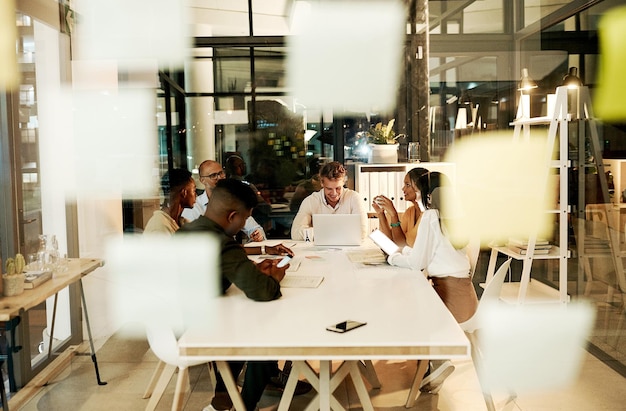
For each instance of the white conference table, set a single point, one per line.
(405, 318)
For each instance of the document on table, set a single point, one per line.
(369, 256)
(294, 264)
(301, 281)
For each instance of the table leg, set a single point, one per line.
(290, 387)
(231, 386)
(369, 372)
(422, 366)
(93, 350)
(302, 367)
(54, 317)
(325, 384)
(359, 385)
(324, 391)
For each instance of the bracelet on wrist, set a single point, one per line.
(396, 224)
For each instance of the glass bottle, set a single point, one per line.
(42, 252)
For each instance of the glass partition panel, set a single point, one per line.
(462, 17)
(484, 17)
(595, 197)
(535, 10)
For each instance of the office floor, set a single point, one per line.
(127, 366)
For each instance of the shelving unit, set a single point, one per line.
(527, 291)
(387, 179)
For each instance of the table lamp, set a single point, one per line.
(573, 84)
(571, 79)
(525, 86)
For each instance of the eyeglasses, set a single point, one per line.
(215, 176)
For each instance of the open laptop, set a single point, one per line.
(337, 229)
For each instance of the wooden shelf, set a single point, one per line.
(555, 253)
(533, 120)
(537, 293)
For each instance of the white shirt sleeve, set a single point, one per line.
(357, 205)
(420, 255)
(303, 219)
(252, 225)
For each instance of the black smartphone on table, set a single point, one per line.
(345, 326)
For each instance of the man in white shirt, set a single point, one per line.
(333, 198)
(210, 173)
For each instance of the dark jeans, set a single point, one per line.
(258, 375)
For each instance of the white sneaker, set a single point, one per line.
(433, 382)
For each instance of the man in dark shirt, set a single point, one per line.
(231, 204)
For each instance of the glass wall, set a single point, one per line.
(477, 52)
(30, 203)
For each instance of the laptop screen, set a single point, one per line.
(337, 229)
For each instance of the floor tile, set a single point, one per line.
(127, 366)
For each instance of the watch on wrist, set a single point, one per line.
(262, 249)
(396, 224)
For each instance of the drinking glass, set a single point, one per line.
(413, 154)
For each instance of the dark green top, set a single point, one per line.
(237, 268)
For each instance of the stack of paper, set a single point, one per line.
(520, 246)
(301, 281)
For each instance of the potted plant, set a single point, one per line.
(13, 280)
(382, 143)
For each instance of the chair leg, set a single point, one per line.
(476, 358)
(153, 380)
(588, 276)
(620, 324)
(161, 385)
(422, 366)
(3, 394)
(212, 377)
(182, 386)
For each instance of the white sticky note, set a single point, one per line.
(132, 32)
(9, 74)
(114, 144)
(153, 278)
(348, 55)
(533, 347)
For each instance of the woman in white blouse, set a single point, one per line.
(435, 256)
(447, 266)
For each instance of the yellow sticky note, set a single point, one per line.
(9, 74)
(609, 97)
(502, 188)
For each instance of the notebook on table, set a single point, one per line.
(337, 229)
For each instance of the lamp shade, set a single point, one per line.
(526, 83)
(571, 79)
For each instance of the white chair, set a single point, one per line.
(490, 295)
(155, 283)
(165, 346)
(530, 347)
(473, 251)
